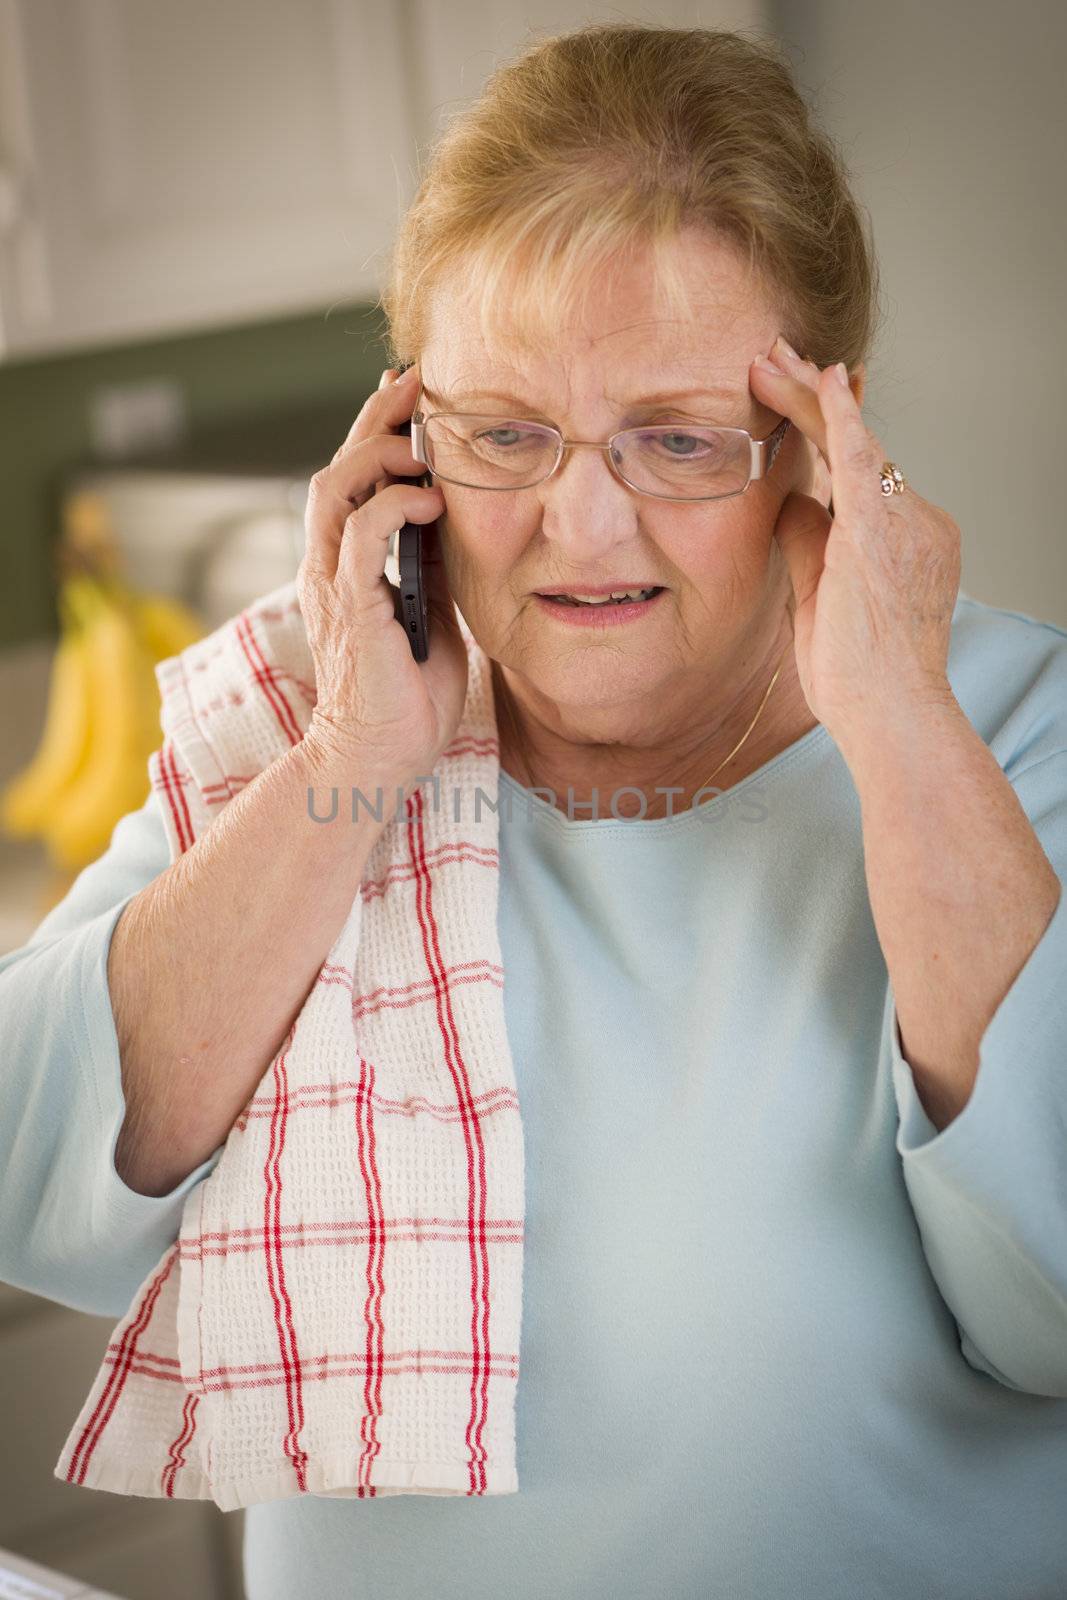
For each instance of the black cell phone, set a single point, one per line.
(410, 597)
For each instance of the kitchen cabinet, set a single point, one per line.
(165, 169)
(170, 169)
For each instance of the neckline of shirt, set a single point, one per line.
(530, 807)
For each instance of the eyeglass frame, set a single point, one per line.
(761, 454)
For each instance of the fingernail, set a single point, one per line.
(841, 374)
(785, 346)
(384, 379)
(405, 375)
(769, 367)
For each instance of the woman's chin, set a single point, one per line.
(578, 682)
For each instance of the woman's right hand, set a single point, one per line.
(380, 718)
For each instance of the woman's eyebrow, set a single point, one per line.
(464, 396)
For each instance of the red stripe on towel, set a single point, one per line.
(471, 1131)
(460, 850)
(433, 1230)
(266, 677)
(342, 1093)
(109, 1397)
(175, 793)
(283, 1311)
(372, 1305)
(318, 1369)
(176, 1455)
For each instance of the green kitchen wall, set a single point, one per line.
(332, 357)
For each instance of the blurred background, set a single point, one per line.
(195, 206)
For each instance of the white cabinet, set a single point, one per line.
(168, 168)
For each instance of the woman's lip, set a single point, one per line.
(597, 616)
(602, 589)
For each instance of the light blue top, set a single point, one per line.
(781, 1339)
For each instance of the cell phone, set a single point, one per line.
(410, 597)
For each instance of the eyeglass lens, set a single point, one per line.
(674, 460)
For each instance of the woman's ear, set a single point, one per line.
(812, 475)
(859, 382)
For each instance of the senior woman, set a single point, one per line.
(779, 898)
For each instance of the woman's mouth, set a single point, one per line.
(600, 610)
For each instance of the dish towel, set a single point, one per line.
(340, 1314)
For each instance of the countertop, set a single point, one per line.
(26, 1580)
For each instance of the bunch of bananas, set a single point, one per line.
(102, 720)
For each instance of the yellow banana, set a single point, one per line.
(64, 746)
(166, 626)
(125, 729)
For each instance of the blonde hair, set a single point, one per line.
(610, 140)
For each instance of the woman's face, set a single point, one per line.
(725, 583)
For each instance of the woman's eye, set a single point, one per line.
(507, 438)
(677, 444)
(500, 436)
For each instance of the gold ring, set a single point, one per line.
(893, 480)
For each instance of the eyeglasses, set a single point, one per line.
(671, 461)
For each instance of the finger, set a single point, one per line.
(784, 360)
(382, 410)
(390, 404)
(347, 485)
(355, 470)
(387, 377)
(855, 457)
(791, 397)
(799, 390)
(368, 532)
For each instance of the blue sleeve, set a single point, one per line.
(70, 1229)
(989, 1191)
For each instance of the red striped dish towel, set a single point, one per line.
(340, 1314)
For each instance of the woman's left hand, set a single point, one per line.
(875, 583)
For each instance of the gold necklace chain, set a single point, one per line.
(766, 695)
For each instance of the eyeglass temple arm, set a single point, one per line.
(765, 450)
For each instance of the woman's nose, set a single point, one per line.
(586, 508)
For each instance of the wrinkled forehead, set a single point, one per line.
(621, 343)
